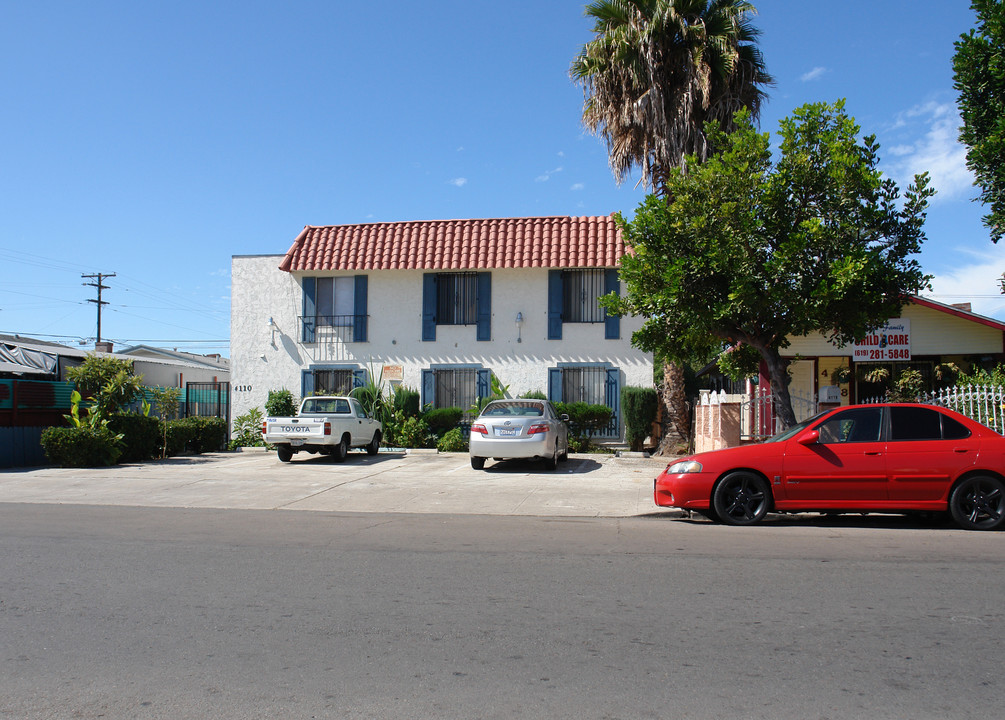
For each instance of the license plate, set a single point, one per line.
(506, 432)
(296, 443)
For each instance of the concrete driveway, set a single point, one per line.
(416, 482)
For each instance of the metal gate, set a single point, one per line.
(208, 399)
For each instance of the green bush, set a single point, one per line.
(442, 419)
(534, 395)
(210, 434)
(414, 433)
(179, 434)
(141, 436)
(247, 430)
(83, 446)
(638, 408)
(452, 441)
(281, 403)
(406, 400)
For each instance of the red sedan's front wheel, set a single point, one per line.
(741, 498)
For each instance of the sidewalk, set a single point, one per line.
(585, 486)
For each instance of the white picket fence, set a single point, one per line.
(983, 403)
(757, 417)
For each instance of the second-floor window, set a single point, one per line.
(335, 302)
(456, 298)
(580, 291)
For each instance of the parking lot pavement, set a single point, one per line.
(586, 485)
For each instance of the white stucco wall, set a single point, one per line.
(263, 359)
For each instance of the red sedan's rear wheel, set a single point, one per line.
(978, 503)
(741, 498)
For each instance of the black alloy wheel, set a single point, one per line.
(741, 498)
(978, 503)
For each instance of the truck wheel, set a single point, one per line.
(341, 450)
(374, 447)
(284, 453)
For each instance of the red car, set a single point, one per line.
(859, 458)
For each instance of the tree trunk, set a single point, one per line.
(778, 374)
(676, 414)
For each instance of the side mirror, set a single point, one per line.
(564, 417)
(809, 438)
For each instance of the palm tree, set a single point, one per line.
(655, 73)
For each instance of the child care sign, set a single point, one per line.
(889, 342)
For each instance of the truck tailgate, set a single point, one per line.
(296, 431)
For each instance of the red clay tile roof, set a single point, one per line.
(546, 242)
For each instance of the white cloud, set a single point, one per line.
(814, 74)
(577, 186)
(976, 282)
(546, 176)
(458, 182)
(935, 150)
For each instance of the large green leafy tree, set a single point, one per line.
(654, 74)
(749, 251)
(979, 66)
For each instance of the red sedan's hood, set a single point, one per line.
(737, 456)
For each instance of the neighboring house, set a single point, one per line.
(34, 392)
(926, 334)
(439, 306)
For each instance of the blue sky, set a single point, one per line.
(156, 140)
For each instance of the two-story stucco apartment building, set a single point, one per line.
(438, 306)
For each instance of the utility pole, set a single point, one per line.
(98, 277)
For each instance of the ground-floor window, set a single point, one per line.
(331, 380)
(872, 380)
(593, 384)
(457, 386)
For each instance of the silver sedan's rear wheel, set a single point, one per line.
(478, 463)
(551, 463)
(978, 503)
(741, 498)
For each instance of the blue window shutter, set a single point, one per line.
(310, 292)
(358, 378)
(612, 392)
(554, 304)
(555, 384)
(612, 323)
(306, 383)
(484, 331)
(428, 388)
(484, 384)
(429, 307)
(359, 321)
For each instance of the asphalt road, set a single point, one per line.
(139, 612)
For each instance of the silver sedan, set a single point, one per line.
(508, 429)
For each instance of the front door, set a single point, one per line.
(847, 465)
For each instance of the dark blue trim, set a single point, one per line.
(359, 323)
(554, 304)
(484, 331)
(429, 307)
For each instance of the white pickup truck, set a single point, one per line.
(325, 424)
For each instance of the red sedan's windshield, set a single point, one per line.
(796, 429)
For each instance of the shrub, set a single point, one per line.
(83, 446)
(247, 430)
(141, 436)
(453, 441)
(406, 400)
(414, 433)
(638, 407)
(210, 434)
(281, 403)
(442, 419)
(179, 434)
(534, 395)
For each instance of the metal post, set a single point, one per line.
(99, 302)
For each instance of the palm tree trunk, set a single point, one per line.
(676, 413)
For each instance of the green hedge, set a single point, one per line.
(442, 419)
(638, 408)
(210, 434)
(141, 436)
(81, 446)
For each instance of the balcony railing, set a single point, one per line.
(333, 328)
